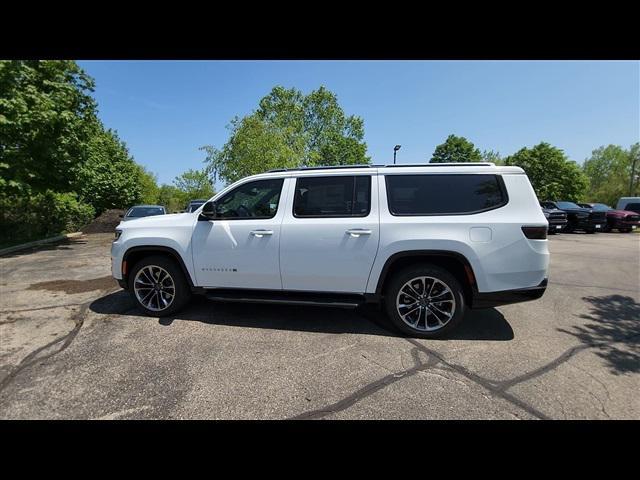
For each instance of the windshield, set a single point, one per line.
(567, 205)
(601, 207)
(145, 211)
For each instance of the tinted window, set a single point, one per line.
(601, 207)
(193, 206)
(332, 196)
(257, 199)
(443, 194)
(145, 211)
(567, 205)
(634, 207)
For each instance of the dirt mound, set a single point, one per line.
(105, 222)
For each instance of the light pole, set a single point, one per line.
(395, 149)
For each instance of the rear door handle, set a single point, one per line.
(261, 233)
(356, 232)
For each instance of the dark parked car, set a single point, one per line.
(557, 219)
(194, 205)
(579, 218)
(622, 220)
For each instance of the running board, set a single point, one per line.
(340, 300)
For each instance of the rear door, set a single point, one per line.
(330, 233)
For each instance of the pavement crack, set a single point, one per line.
(493, 387)
(5, 312)
(33, 357)
(368, 389)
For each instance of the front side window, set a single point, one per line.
(252, 200)
(332, 196)
(444, 194)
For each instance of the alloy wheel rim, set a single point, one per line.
(154, 288)
(426, 304)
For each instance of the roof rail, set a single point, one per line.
(452, 164)
(332, 167)
(337, 167)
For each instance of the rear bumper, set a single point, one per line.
(505, 297)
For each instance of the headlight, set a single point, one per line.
(118, 233)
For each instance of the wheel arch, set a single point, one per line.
(134, 254)
(456, 263)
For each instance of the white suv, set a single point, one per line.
(424, 241)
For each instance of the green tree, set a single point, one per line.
(552, 174)
(47, 116)
(194, 184)
(109, 178)
(493, 157)
(289, 129)
(611, 173)
(456, 149)
(149, 190)
(172, 198)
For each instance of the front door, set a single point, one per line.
(330, 235)
(239, 248)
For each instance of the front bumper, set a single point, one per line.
(557, 226)
(505, 297)
(620, 223)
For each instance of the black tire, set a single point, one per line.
(625, 230)
(590, 230)
(399, 280)
(181, 286)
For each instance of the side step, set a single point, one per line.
(341, 300)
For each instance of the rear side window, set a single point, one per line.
(332, 196)
(443, 194)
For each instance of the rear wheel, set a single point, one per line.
(424, 301)
(158, 286)
(625, 230)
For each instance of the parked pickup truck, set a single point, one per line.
(557, 219)
(579, 218)
(622, 220)
(425, 242)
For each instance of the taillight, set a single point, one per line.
(535, 233)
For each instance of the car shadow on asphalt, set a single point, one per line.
(487, 324)
(613, 330)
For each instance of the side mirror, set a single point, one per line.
(209, 210)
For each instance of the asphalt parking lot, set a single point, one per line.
(72, 345)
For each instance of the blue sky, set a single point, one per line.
(165, 110)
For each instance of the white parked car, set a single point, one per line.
(425, 242)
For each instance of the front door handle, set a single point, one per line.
(356, 232)
(261, 233)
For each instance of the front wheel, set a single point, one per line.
(424, 301)
(158, 286)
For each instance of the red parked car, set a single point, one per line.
(622, 220)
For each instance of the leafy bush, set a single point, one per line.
(26, 218)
